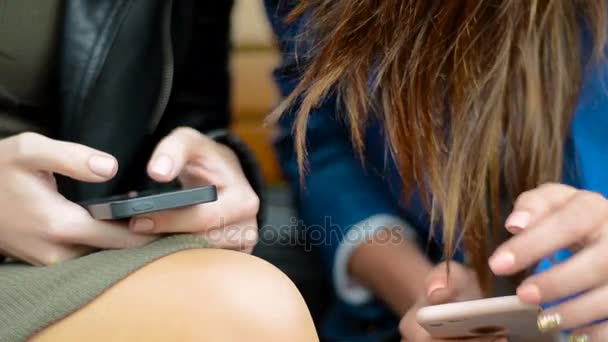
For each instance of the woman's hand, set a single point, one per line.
(547, 219)
(37, 224)
(461, 286)
(231, 221)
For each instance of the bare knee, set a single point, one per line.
(195, 295)
(240, 294)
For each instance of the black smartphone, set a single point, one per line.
(139, 203)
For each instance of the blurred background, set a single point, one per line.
(254, 57)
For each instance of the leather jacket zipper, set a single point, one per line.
(168, 67)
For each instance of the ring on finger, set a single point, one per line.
(549, 322)
(579, 338)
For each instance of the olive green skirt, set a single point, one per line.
(32, 298)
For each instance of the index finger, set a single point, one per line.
(173, 152)
(572, 223)
(532, 205)
(37, 152)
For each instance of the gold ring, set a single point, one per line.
(548, 322)
(579, 338)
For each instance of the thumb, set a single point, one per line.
(443, 286)
(39, 153)
(173, 153)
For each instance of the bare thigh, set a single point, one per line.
(194, 295)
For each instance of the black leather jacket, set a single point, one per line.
(132, 70)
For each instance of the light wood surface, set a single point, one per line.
(253, 90)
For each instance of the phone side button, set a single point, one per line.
(144, 206)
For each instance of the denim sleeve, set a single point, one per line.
(338, 191)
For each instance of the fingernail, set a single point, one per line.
(434, 287)
(518, 220)
(529, 292)
(103, 165)
(143, 225)
(162, 165)
(502, 262)
(579, 338)
(548, 322)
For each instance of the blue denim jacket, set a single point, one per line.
(341, 190)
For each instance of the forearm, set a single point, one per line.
(393, 271)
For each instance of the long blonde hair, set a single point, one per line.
(470, 92)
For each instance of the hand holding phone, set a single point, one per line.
(453, 309)
(462, 285)
(195, 160)
(37, 224)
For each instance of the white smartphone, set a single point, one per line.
(499, 316)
